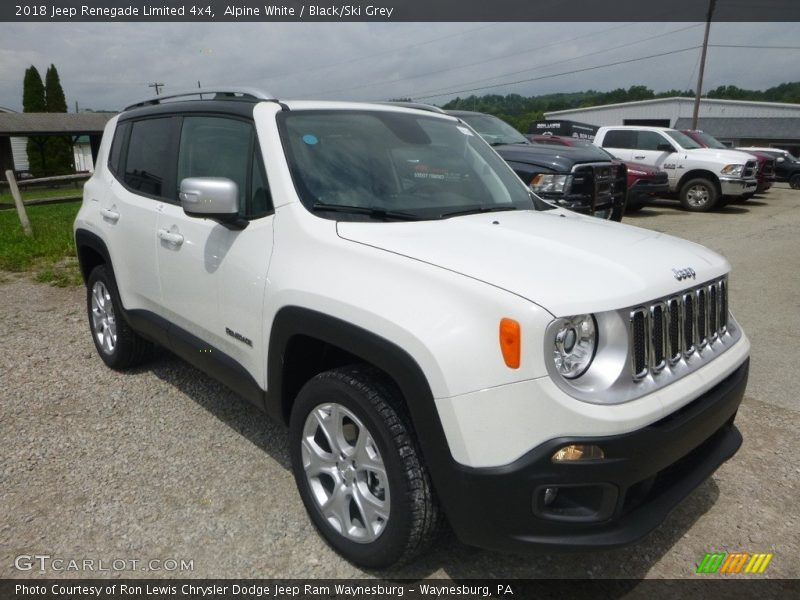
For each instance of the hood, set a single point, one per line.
(729, 157)
(567, 263)
(557, 158)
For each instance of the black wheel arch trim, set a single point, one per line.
(389, 358)
(92, 241)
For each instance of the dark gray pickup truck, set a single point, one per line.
(583, 179)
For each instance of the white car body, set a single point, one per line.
(435, 290)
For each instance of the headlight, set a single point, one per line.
(637, 172)
(559, 184)
(734, 170)
(574, 346)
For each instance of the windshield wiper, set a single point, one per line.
(474, 210)
(372, 211)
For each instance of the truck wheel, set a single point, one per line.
(358, 469)
(118, 345)
(634, 206)
(794, 181)
(698, 195)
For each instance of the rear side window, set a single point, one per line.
(620, 138)
(147, 167)
(225, 147)
(115, 155)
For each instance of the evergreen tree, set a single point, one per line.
(33, 100)
(59, 149)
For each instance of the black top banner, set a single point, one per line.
(400, 10)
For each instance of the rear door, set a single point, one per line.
(620, 143)
(141, 170)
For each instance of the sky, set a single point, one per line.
(109, 65)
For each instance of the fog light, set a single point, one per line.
(578, 452)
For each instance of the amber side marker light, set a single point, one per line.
(578, 452)
(510, 342)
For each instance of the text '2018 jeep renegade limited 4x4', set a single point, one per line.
(440, 342)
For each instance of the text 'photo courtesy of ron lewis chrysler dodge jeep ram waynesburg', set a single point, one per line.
(442, 344)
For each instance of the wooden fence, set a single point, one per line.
(20, 203)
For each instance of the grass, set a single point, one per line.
(50, 253)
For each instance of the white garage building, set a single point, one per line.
(734, 122)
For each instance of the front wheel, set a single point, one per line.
(358, 469)
(699, 195)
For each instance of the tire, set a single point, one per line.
(117, 344)
(741, 199)
(367, 492)
(794, 181)
(634, 206)
(617, 212)
(699, 195)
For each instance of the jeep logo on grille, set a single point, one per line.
(681, 274)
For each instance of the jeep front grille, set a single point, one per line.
(674, 328)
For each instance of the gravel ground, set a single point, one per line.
(164, 463)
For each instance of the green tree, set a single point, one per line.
(59, 148)
(33, 100)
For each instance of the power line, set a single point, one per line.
(448, 69)
(507, 83)
(303, 72)
(755, 47)
(552, 64)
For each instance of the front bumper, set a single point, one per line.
(737, 187)
(604, 503)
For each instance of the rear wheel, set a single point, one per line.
(358, 469)
(117, 344)
(699, 195)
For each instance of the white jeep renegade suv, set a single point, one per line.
(440, 342)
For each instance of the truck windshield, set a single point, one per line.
(494, 130)
(376, 165)
(683, 140)
(710, 141)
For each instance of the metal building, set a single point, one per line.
(734, 122)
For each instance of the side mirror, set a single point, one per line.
(210, 197)
(665, 147)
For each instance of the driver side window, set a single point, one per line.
(225, 147)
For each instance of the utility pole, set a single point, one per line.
(696, 112)
(158, 87)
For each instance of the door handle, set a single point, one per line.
(111, 215)
(639, 157)
(170, 237)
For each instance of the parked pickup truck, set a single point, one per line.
(578, 178)
(787, 166)
(766, 163)
(700, 176)
(644, 181)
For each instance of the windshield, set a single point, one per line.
(683, 140)
(494, 130)
(374, 165)
(710, 141)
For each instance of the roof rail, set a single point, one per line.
(230, 92)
